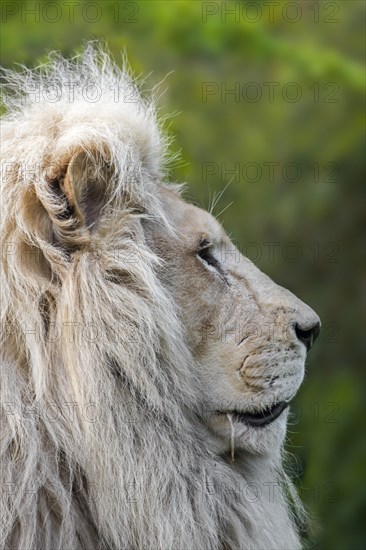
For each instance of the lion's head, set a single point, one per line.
(138, 345)
(248, 336)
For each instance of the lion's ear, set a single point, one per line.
(85, 187)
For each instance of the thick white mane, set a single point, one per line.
(102, 444)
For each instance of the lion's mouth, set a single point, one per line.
(261, 418)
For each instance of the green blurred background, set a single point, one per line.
(290, 140)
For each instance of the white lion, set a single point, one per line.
(146, 365)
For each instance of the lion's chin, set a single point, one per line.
(254, 433)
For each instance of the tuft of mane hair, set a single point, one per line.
(102, 440)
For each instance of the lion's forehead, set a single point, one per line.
(191, 223)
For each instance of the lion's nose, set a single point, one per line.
(309, 335)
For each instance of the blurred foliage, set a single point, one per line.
(188, 46)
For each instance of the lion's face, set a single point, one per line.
(249, 336)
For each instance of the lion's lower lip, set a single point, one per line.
(262, 418)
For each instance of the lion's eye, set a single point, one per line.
(206, 254)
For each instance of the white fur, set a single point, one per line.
(103, 445)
